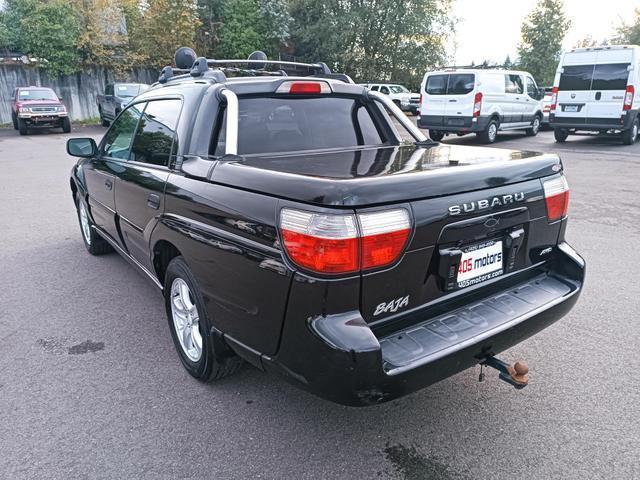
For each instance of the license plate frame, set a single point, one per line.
(480, 262)
(571, 108)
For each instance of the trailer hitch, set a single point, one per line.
(516, 375)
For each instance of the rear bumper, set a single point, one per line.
(593, 124)
(339, 357)
(444, 123)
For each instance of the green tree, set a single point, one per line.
(50, 34)
(249, 25)
(629, 33)
(508, 63)
(164, 26)
(542, 34)
(373, 39)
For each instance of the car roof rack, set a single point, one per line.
(189, 65)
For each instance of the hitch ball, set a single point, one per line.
(519, 372)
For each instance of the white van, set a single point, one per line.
(481, 101)
(401, 95)
(594, 90)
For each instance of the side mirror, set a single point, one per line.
(82, 147)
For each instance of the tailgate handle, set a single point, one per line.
(153, 201)
(513, 243)
(449, 261)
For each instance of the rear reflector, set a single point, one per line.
(384, 236)
(628, 98)
(332, 243)
(556, 195)
(304, 88)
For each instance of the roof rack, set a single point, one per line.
(189, 65)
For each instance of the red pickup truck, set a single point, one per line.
(34, 107)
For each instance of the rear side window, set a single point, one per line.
(460, 83)
(437, 84)
(610, 76)
(576, 77)
(450, 84)
(156, 133)
(287, 124)
(513, 84)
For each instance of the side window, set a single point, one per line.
(513, 84)
(156, 133)
(532, 89)
(437, 84)
(117, 141)
(610, 76)
(375, 88)
(384, 90)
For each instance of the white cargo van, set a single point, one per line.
(594, 91)
(481, 101)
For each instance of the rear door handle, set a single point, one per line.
(108, 184)
(153, 201)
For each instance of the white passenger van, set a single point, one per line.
(595, 91)
(481, 101)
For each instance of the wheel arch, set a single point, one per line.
(162, 253)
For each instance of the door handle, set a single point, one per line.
(108, 184)
(153, 201)
(598, 95)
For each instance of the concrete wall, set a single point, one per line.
(77, 91)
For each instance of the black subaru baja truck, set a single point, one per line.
(290, 226)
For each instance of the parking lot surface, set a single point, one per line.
(91, 386)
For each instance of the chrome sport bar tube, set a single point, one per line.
(231, 133)
(399, 115)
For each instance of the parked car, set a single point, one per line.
(479, 101)
(594, 91)
(546, 106)
(116, 97)
(38, 107)
(288, 224)
(401, 95)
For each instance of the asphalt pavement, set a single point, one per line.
(91, 386)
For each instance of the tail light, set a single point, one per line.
(477, 104)
(338, 243)
(556, 195)
(628, 98)
(384, 236)
(554, 99)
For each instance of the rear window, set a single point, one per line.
(610, 76)
(450, 84)
(287, 124)
(576, 77)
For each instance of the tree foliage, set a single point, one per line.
(542, 34)
(373, 39)
(51, 33)
(629, 33)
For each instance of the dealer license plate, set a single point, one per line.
(479, 263)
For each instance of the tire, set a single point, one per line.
(22, 126)
(94, 243)
(630, 135)
(103, 122)
(560, 134)
(489, 134)
(14, 120)
(66, 125)
(196, 348)
(535, 127)
(436, 135)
